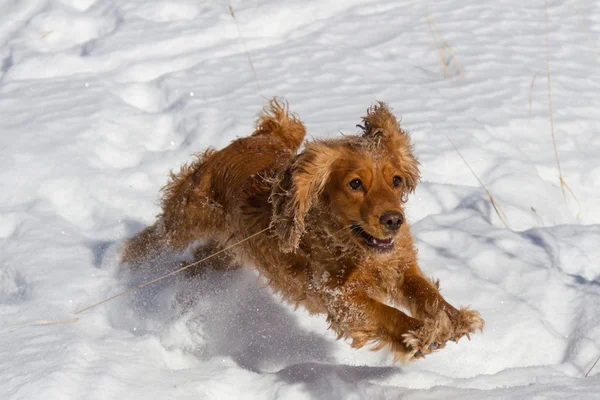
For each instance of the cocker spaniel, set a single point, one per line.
(335, 235)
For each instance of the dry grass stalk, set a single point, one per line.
(454, 57)
(434, 31)
(496, 206)
(531, 91)
(45, 322)
(587, 33)
(562, 181)
(439, 49)
(170, 273)
(52, 322)
(592, 367)
(246, 51)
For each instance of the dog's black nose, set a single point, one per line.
(391, 220)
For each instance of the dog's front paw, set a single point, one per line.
(464, 322)
(431, 336)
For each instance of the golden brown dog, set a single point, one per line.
(337, 241)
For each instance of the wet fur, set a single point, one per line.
(311, 254)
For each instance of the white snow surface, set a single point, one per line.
(99, 99)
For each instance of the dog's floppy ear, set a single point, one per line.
(381, 126)
(297, 189)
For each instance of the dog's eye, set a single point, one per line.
(355, 184)
(396, 181)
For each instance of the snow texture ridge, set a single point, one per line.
(99, 99)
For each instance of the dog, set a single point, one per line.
(325, 227)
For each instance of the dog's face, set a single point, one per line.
(366, 192)
(361, 182)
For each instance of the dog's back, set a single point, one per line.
(222, 192)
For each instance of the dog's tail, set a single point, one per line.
(277, 121)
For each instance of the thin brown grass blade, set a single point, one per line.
(45, 322)
(170, 273)
(69, 321)
(562, 186)
(447, 45)
(232, 13)
(496, 206)
(531, 91)
(584, 27)
(439, 49)
(574, 198)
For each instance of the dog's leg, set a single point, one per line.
(212, 256)
(144, 247)
(422, 297)
(158, 240)
(364, 320)
(189, 214)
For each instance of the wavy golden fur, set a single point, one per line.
(336, 243)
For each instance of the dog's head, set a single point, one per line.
(357, 183)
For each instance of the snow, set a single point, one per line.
(99, 99)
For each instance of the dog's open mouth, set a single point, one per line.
(372, 241)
